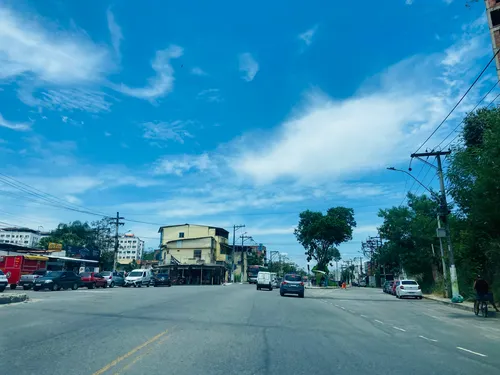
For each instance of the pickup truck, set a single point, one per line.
(27, 281)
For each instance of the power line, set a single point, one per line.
(473, 109)
(460, 101)
(458, 135)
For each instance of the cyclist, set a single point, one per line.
(482, 292)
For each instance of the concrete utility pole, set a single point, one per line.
(235, 228)
(116, 221)
(443, 261)
(444, 212)
(243, 237)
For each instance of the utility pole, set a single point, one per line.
(116, 221)
(444, 212)
(235, 228)
(243, 238)
(443, 261)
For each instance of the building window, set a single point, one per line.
(181, 234)
(197, 254)
(179, 244)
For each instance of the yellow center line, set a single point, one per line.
(138, 358)
(125, 356)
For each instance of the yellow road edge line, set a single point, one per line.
(125, 356)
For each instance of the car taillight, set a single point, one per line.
(301, 284)
(418, 287)
(283, 283)
(401, 287)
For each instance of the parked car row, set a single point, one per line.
(56, 280)
(403, 288)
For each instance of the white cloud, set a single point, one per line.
(20, 126)
(107, 134)
(307, 36)
(116, 33)
(66, 99)
(334, 140)
(165, 131)
(26, 48)
(248, 66)
(178, 165)
(409, 2)
(197, 71)
(162, 83)
(210, 95)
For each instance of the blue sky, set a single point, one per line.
(174, 112)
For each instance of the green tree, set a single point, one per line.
(321, 234)
(409, 234)
(93, 236)
(254, 258)
(473, 175)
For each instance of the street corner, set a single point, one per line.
(7, 298)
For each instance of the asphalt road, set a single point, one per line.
(236, 329)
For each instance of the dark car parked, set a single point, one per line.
(292, 284)
(55, 280)
(162, 279)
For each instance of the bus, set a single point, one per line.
(252, 272)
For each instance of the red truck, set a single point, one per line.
(14, 266)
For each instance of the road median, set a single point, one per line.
(12, 298)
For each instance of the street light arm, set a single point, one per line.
(409, 174)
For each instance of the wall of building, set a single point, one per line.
(184, 250)
(20, 238)
(181, 232)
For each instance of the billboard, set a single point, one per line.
(82, 253)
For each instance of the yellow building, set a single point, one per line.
(188, 249)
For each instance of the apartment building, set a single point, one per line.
(25, 237)
(130, 247)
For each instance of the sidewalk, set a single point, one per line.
(466, 305)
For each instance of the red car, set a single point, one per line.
(100, 281)
(88, 280)
(396, 283)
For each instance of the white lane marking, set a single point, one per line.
(363, 316)
(399, 329)
(426, 338)
(378, 321)
(352, 312)
(337, 305)
(343, 308)
(470, 351)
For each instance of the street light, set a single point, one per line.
(412, 176)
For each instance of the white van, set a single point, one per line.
(264, 281)
(138, 278)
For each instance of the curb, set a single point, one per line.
(12, 298)
(454, 305)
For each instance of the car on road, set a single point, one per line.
(138, 278)
(27, 281)
(264, 280)
(387, 288)
(113, 278)
(88, 279)
(408, 288)
(3, 281)
(292, 284)
(394, 286)
(162, 279)
(55, 280)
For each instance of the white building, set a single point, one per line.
(130, 248)
(25, 237)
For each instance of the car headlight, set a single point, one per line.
(48, 281)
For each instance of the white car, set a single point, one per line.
(408, 288)
(3, 281)
(138, 278)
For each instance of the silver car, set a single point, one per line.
(292, 284)
(113, 278)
